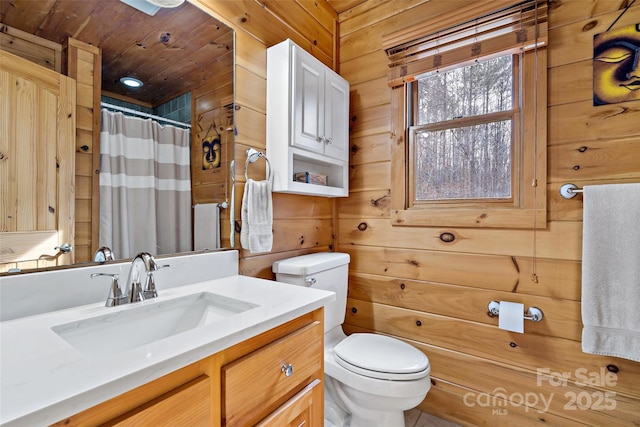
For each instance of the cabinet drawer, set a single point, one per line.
(257, 384)
(302, 410)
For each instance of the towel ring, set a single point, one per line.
(252, 156)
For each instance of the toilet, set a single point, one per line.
(370, 379)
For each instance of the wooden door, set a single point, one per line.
(37, 167)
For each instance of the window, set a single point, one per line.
(461, 143)
(469, 121)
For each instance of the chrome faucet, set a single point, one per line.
(141, 284)
(103, 254)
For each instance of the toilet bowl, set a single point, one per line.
(370, 379)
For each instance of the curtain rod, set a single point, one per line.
(140, 113)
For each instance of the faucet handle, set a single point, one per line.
(116, 296)
(150, 290)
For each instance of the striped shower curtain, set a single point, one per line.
(145, 186)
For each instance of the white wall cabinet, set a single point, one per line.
(307, 122)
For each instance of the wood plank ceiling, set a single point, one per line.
(343, 5)
(171, 52)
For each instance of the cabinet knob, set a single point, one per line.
(287, 369)
(328, 140)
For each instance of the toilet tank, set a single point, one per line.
(322, 270)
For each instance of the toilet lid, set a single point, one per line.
(382, 357)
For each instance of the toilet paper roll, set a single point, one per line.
(511, 317)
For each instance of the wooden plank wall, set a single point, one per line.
(301, 224)
(36, 49)
(83, 63)
(407, 283)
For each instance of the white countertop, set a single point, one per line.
(44, 379)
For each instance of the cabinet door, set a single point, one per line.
(308, 102)
(336, 117)
(188, 405)
(303, 409)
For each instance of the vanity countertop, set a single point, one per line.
(44, 379)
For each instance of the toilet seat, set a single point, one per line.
(381, 357)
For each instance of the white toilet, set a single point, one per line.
(370, 379)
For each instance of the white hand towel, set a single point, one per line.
(611, 270)
(206, 233)
(257, 217)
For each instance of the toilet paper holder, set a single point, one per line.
(533, 313)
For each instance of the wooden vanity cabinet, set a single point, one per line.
(243, 385)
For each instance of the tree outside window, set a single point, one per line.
(462, 140)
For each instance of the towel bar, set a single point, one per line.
(569, 191)
(533, 313)
(252, 156)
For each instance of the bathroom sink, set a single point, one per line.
(143, 323)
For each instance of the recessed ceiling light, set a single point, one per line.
(142, 6)
(131, 82)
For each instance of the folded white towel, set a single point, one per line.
(257, 217)
(611, 270)
(206, 227)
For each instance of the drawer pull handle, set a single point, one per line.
(287, 369)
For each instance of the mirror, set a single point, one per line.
(176, 51)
